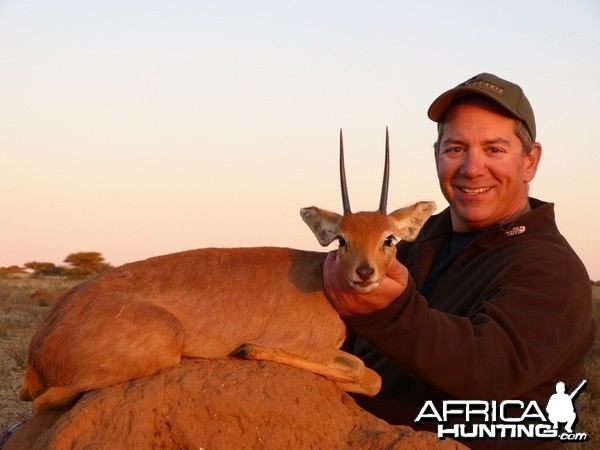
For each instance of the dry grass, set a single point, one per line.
(23, 305)
(588, 403)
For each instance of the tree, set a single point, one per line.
(85, 264)
(10, 271)
(44, 269)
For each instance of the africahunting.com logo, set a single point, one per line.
(509, 419)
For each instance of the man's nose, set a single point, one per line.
(473, 164)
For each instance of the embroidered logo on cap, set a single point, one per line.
(484, 84)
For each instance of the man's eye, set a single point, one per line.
(453, 150)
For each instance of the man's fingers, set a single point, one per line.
(396, 271)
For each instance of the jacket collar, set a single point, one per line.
(539, 220)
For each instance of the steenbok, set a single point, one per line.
(216, 303)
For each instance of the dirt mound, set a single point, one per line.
(219, 404)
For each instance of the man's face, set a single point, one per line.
(482, 168)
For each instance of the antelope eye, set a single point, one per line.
(389, 241)
(341, 241)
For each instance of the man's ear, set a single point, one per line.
(532, 161)
(324, 224)
(436, 155)
(409, 221)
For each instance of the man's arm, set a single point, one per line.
(525, 330)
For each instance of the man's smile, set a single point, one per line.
(473, 191)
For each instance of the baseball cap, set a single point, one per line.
(506, 94)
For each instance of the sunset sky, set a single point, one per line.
(137, 128)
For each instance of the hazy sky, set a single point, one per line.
(136, 128)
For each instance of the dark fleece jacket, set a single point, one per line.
(509, 318)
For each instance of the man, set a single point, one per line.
(490, 302)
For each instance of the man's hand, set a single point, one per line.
(349, 302)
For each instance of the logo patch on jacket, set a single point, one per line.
(516, 231)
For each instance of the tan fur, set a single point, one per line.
(365, 234)
(257, 303)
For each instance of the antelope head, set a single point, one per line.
(367, 240)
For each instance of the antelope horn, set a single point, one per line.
(345, 200)
(386, 174)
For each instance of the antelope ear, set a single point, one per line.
(409, 221)
(324, 224)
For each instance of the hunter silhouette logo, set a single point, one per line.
(508, 419)
(560, 406)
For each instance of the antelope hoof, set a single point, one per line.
(242, 352)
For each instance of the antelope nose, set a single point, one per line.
(364, 271)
